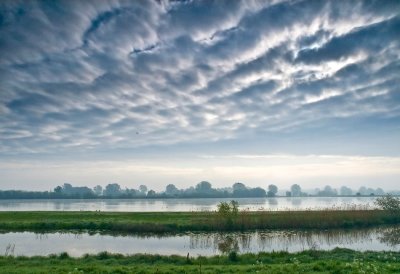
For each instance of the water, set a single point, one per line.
(30, 244)
(147, 205)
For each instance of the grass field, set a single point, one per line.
(312, 261)
(157, 222)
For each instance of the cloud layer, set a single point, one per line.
(90, 75)
(310, 171)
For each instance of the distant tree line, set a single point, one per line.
(346, 191)
(203, 189)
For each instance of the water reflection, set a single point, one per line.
(391, 237)
(371, 239)
(26, 243)
(297, 240)
(228, 244)
(296, 201)
(272, 202)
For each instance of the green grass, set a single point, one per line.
(312, 261)
(157, 222)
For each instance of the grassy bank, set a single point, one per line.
(156, 222)
(312, 261)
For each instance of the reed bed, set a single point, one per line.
(175, 222)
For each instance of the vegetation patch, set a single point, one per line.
(311, 261)
(227, 218)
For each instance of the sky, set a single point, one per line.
(160, 92)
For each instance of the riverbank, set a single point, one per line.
(174, 222)
(311, 261)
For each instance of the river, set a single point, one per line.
(148, 205)
(30, 244)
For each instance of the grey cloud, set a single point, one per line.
(131, 26)
(205, 19)
(92, 75)
(53, 28)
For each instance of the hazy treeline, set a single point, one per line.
(203, 189)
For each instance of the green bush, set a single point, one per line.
(388, 203)
(63, 255)
(233, 256)
(228, 212)
(104, 255)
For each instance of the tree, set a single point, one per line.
(82, 191)
(388, 203)
(112, 190)
(272, 190)
(151, 193)
(67, 189)
(370, 191)
(143, 189)
(98, 190)
(79, 191)
(203, 187)
(257, 192)
(295, 190)
(171, 189)
(228, 212)
(379, 191)
(238, 187)
(58, 189)
(363, 190)
(130, 192)
(240, 190)
(328, 191)
(345, 191)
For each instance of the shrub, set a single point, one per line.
(63, 255)
(233, 256)
(228, 211)
(388, 203)
(103, 255)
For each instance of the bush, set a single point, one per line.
(233, 256)
(388, 203)
(63, 255)
(228, 211)
(104, 255)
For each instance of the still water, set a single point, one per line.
(29, 244)
(142, 205)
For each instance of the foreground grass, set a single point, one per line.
(157, 222)
(312, 261)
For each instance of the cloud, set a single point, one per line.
(355, 41)
(104, 75)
